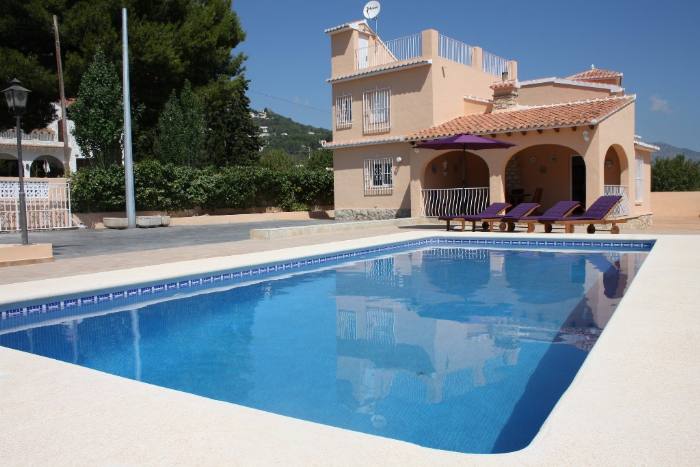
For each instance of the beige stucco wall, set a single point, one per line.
(343, 52)
(410, 107)
(348, 170)
(550, 93)
(456, 169)
(676, 203)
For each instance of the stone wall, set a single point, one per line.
(370, 214)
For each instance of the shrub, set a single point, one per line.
(170, 187)
(676, 174)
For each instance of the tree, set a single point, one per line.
(170, 41)
(276, 159)
(98, 113)
(676, 174)
(320, 159)
(232, 137)
(181, 130)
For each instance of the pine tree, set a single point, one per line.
(98, 114)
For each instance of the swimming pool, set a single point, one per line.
(451, 345)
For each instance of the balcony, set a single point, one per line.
(384, 53)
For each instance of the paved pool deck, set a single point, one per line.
(635, 401)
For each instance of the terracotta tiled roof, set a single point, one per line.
(505, 84)
(382, 69)
(595, 74)
(589, 112)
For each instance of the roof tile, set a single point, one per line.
(595, 74)
(589, 112)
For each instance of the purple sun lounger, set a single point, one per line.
(560, 210)
(494, 210)
(597, 213)
(521, 210)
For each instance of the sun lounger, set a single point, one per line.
(522, 209)
(560, 210)
(596, 214)
(491, 211)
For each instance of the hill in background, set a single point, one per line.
(280, 132)
(668, 150)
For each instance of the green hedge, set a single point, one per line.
(168, 187)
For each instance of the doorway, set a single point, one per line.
(578, 180)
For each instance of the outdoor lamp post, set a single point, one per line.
(16, 97)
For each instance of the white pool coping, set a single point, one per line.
(635, 400)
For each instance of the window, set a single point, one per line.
(343, 112)
(379, 176)
(376, 111)
(639, 179)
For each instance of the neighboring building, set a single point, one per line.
(574, 137)
(42, 151)
(264, 132)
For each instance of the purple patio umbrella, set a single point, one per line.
(464, 142)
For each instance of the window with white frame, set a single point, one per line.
(376, 110)
(343, 112)
(639, 179)
(379, 176)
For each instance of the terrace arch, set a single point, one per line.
(454, 182)
(8, 165)
(616, 177)
(550, 172)
(46, 166)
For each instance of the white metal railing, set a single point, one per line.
(395, 50)
(36, 135)
(622, 208)
(493, 64)
(455, 50)
(48, 204)
(454, 201)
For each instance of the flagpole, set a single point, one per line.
(128, 158)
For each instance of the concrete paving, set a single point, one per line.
(88, 242)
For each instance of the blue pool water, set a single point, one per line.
(453, 348)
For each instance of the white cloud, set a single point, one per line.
(659, 105)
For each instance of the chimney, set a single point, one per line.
(505, 93)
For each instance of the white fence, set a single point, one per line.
(493, 64)
(455, 50)
(623, 207)
(44, 134)
(48, 204)
(395, 50)
(454, 201)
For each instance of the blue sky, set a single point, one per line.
(654, 43)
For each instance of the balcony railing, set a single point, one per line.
(622, 208)
(396, 50)
(455, 50)
(36, 135)
(493, 64)
(454, 201)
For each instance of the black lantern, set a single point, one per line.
(16, 97)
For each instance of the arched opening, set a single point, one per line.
(46, 167)
(456, 169)
(545, 174)
(8, 166)
(615, 177)
(455, 183)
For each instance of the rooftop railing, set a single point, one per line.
(455, 50)
(395, 50)
(493, 64)
(36, 135)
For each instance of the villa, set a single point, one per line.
(574, 137)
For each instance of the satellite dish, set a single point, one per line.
(371, 9)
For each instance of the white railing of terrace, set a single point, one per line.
(48, 204)
(622, 208)
(455, 50)
(395, 50)
(453, 201)
(493, 64)
(36, 135)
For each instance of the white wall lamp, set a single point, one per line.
(586, 136)
(398, 159)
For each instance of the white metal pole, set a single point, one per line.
(128, 159)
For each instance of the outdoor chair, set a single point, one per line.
(521, 210)
(596, 214)
(494, 210)
(557, 212)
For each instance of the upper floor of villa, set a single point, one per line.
(389, 91)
